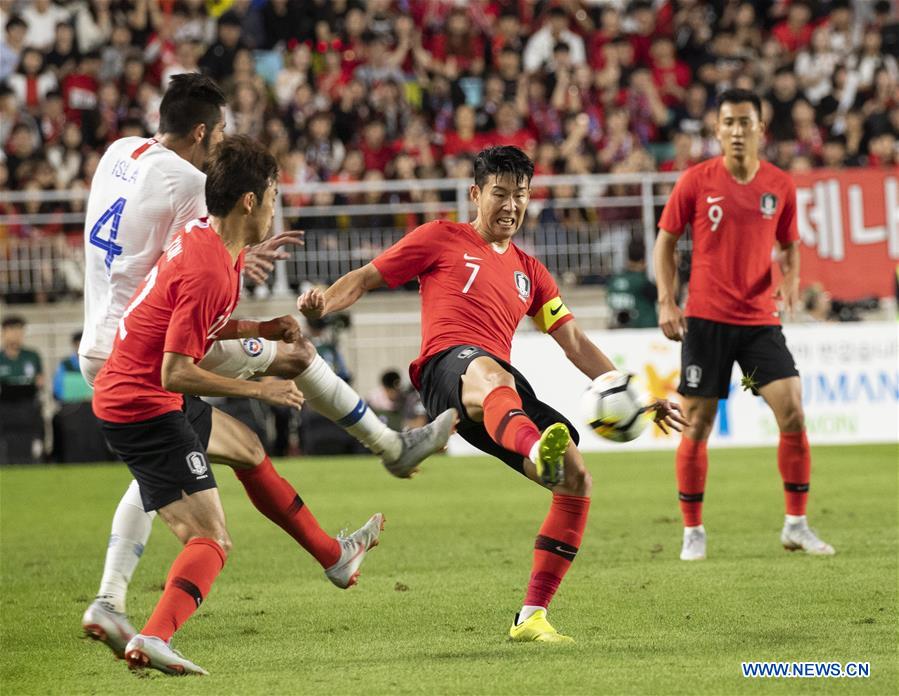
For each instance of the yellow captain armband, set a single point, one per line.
(550, 314)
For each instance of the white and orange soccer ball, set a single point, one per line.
(616, 407)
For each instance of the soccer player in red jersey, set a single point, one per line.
(164, 436)
(476, 286)
(737, 206)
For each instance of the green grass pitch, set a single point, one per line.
(435, 600)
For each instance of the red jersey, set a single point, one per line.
(470, 293)
(184, 301)
(734, 229)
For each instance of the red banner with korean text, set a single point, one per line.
(849, 230)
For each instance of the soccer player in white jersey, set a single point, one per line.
(143, 192)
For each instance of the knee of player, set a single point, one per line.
(500, 378)
(294, 358)
(792, 419)
(252, 453)
(577, 478)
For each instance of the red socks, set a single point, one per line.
(691, 465)
(189, 581)
(795, 464)
(556, 546)
(507, 424)
(276, 499)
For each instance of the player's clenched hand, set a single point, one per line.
(281, 392)
(284, 328)
(259, 260)
(312, 303)
(668, 414)
(672, 321)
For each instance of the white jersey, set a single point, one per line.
(141, 195)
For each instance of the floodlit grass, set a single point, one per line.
(435, 600)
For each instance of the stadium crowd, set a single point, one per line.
(343, 90)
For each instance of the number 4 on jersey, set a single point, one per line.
(113, 214)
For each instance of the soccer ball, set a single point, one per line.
(615, 407)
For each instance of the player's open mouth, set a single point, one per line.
(506, 221)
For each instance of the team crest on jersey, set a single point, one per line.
(523, 285)
(252, 346)
(196, 462)
(768, 205)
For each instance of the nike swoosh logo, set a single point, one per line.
(566, 551)
(714, 199)
(471, 258)
(554, 311)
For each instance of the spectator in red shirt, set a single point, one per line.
(609, 30)
(683, 154)
(644, 19)
(463, 139)
(795, 32)
(671, 76)
(375, 149)
(79, 89)
(509, 130)
(459, 49)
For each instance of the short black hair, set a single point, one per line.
(13, 320)
(502, 159)
(237, 165)
(390, 379)
(190, 99)
(15, 21)
(740, 96)
(636, 251)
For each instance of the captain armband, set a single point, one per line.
(551, 314)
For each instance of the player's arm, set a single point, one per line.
(317, 303)
(586, 356)
(583, 353)
(283, 328)
(181, 374)
(788, 292)
(671, 319)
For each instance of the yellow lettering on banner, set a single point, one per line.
(550, 313)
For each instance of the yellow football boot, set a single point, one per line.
(537, 628)
(551, 452)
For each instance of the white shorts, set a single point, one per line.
(238, 359)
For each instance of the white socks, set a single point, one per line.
(527, 611)
(337, 401)
(793, 520)
(131, 528)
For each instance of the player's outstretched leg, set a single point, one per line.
(105, 619)
(345, 572)
(401, 453)
(233, 443)
(784, 396)
(555, 549)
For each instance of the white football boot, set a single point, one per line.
(798, 536)
(694, 544)
(101, 623)
(353, 548)
(421, 443)
(150, 651)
